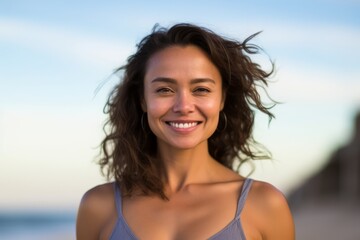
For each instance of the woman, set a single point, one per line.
(178, 122)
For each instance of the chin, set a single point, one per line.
(185, 145)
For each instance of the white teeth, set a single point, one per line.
(183, 125)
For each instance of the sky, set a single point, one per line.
(56, 65)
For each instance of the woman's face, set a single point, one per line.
(182, 96)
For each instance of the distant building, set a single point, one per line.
(338, 180)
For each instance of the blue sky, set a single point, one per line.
(54, 55)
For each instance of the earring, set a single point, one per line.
(225, 122)
(142, 121)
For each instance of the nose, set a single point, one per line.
(184, 103)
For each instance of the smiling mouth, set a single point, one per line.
(183, 125)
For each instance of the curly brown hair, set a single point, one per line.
(129, 147)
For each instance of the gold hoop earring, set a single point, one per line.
(225, 122)
(142, 121)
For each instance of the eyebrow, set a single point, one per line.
(193, 81)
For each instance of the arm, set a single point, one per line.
(94, 213)
(278, 220)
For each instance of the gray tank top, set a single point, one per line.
(231, 231)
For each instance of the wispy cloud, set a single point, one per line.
(70, 45)
(309, 85)
(334, 39)
(329, 39)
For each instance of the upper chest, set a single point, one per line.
(197, 213)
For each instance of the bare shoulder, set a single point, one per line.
(273, 209)
(98, 194)
(267, 195)
(96, 211)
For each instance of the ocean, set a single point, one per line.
(37, 226)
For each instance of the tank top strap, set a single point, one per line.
(244, 192)
(118, 201)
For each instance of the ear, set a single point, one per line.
(143, 105)
(223, 98)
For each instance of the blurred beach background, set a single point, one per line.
(54, 55)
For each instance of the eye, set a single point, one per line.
(164, 90)
(201, 90)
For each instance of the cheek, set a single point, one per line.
(157, 107)
(212, 106)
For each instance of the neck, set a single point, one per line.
(182, 167)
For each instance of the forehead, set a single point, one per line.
(181, 61)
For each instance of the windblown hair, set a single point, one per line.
(129, 148)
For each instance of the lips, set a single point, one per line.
(183, 125)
